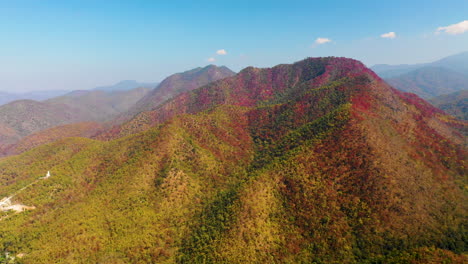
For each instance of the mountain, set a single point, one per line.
(457, 63)
(55, 133)
(319, 161)
(176, 84)
(19, 119)
(6, 97)
(125, 86)
(104, 104)
(429, 82)
(100, 105)
(389, 71)
(455, 104)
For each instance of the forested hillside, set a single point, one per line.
(455, 104)
(315, 162)
(22, 118)
(174, 85)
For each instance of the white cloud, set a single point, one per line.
(221, 52)
(322, 40)
(455, 29)
(211, 59)
(390, 35)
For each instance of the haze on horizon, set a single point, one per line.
(70, 45)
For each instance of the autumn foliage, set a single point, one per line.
(315, 162)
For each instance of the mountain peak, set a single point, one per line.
(252, 87)
(176, 84)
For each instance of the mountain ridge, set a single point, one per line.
(429, 82)
(19, 119)
(7, 97)
(125, 85)
(177, 83)
(455, 104)
(107, 106)
(317, 161)
(456, 62)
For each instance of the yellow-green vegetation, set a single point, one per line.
(126, 199)
(342, 169)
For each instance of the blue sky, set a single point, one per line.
(82, 44)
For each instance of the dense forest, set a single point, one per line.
(315, 162)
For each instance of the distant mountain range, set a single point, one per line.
(455, 104)
(115, 103)
(443, 82)
(457, 62)
(319, 161)
(6, 97)
(125, 86)
(430, 81)
(176, 84)
(21, 118)
(98, 105)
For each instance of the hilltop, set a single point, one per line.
(126, 85)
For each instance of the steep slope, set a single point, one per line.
(429, 82)
(176, 84)
(318, 161)
(455, 104)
